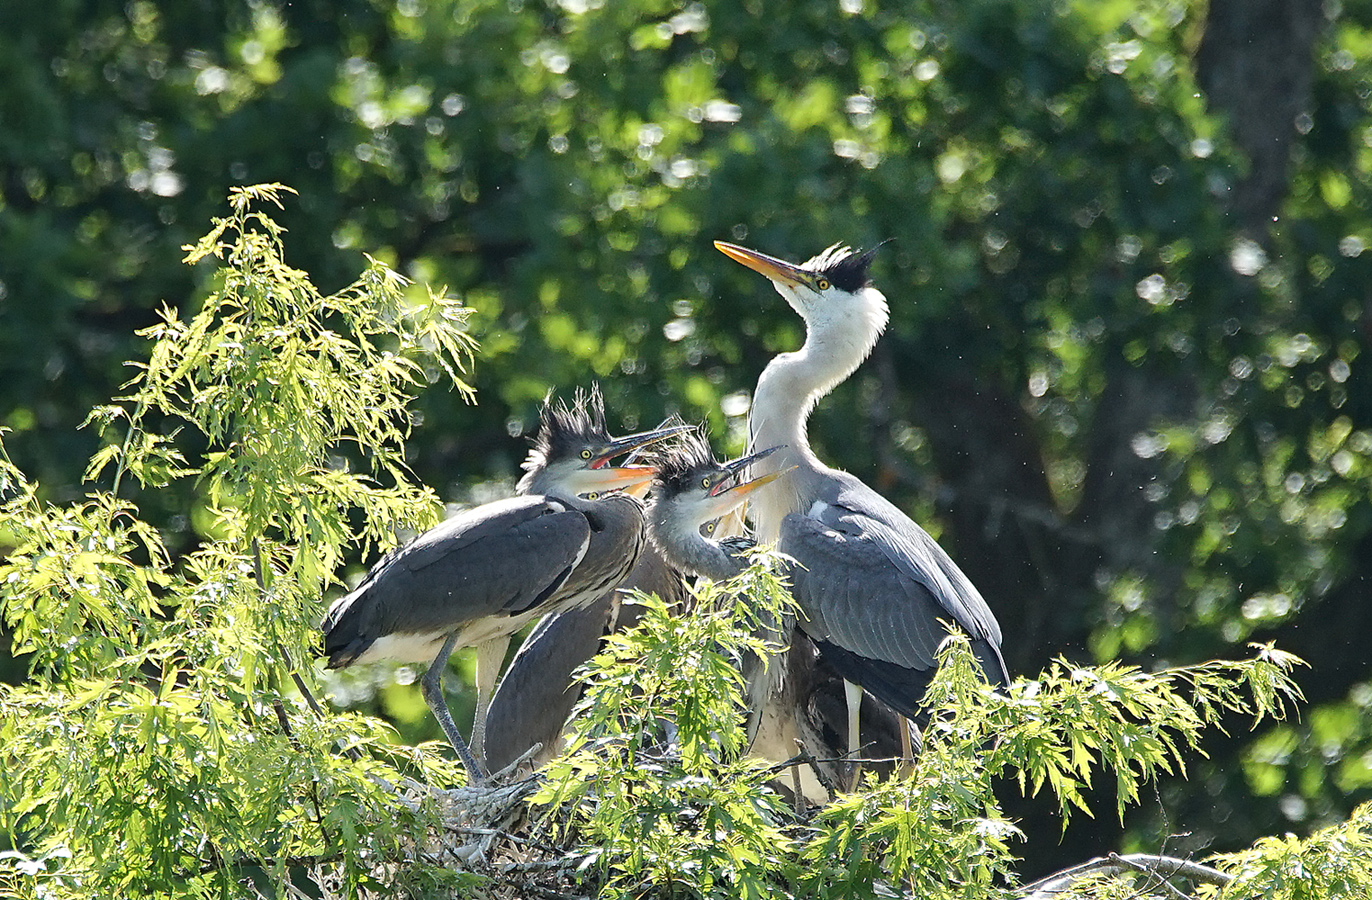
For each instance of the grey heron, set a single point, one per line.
(691, 492)
(480, 576)
(536, 695)
(873, 587)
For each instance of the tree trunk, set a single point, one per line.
(1255, 64)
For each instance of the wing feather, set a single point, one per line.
(499, 558)
(873, 585)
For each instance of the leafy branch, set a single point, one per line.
(158, 736)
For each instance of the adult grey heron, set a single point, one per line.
(480, 576)
(536, 695)
(690, 493)
(873, 587)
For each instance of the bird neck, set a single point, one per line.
(610, 512)
(681, 544)
(786, 394)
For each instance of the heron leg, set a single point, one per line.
(907, 750)
(431, 686)
(853, 693)
(489, 655)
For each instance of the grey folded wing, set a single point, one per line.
(875, 598)
(501, 558)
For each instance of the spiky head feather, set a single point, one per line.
(846, 268)
(563, 429)
(682, 465)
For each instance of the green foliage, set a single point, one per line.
(698, 818)
(690, 819)
(1145, 435)
(1332, 862)
(157, 748)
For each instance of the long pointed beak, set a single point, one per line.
(633, 442)
(609, 478)
(737, 466)
(778, 270)
(747, 487)
(728, 500)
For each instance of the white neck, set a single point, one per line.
(787, 392)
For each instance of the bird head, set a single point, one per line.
(832, 288)
(573, 450)
(700, 490)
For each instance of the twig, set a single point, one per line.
(803, 758)
(1161, 878)
(514, 766)
(549, 893)
(1160, 867)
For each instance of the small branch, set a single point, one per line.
(805, 759)
(1159, 867)
(1161, 879)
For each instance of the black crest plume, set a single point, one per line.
(845, 267)
(681, 466)
(564, 429)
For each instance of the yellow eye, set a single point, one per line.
(705, 483)
(585, 454)
(593, 495)
(710, 528)
(822, 284)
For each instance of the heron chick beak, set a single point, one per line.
(778, 270)
(612, 478)
(738, 466)
(739, 491)
(722, 503)
(633, 442)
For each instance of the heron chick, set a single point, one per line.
(484, 574)
(690, 493)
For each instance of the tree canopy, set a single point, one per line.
(1132, 408)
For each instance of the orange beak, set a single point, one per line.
(778, 270)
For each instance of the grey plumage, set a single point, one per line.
(538, 691)
(875, 589)
(691, 492)
(801, 689)
(871, 584)
(482, 575)
(473, 566)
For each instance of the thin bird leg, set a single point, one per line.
(431, 686)
(489, 655)
(907, 751)
(853, 693)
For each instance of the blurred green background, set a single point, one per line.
(1123, 382)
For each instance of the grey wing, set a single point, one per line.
(652, 574)
(537, 694)
(851, 595)
(859, 510)
(500, 558)
(874, 603)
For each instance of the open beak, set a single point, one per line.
(633, 442)
(778, 270)
(732, 498)
(611, 478)
(747, 487)
(599, 475)
(639, 489)
(738, 466)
